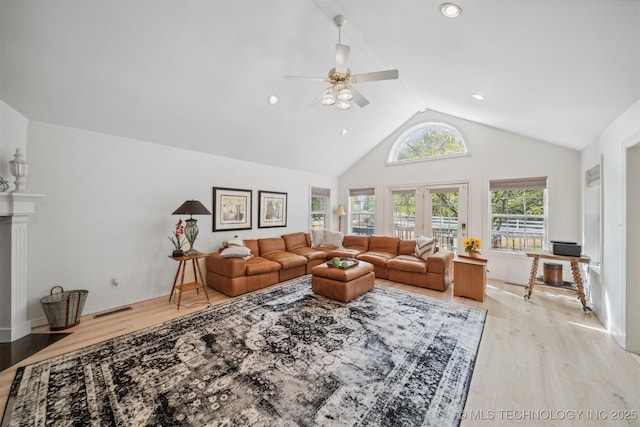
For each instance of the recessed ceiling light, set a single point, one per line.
(273, 99)
(450, 10)
(478, 97)
(344, 131)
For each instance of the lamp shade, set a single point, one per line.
(191, 207)
(340, 211)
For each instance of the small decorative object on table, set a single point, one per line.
(177, 240)
(4, 185)
(343, 263)
(472, 246)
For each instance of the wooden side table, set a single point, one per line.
(575, 271)
(469, 277)
(197, 276)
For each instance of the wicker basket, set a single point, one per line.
(63, 309)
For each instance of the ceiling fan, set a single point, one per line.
(341, 91)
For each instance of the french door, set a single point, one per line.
(438, 211)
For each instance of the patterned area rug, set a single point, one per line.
(281, 357)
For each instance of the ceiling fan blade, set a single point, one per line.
(376, 75)
(319, 79)
(358, 98)
(342, 56)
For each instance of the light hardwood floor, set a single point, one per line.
(540, 363)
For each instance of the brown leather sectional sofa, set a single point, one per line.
(276, 259)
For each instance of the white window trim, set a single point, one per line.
(400, 140)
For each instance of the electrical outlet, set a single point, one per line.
(115, 282)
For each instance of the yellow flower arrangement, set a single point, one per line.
(472, 244)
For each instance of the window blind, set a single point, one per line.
(539, 183)
(361, 192)
(317, 191)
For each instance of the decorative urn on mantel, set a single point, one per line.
(19, 170)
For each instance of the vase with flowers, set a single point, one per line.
(472, 246)
(177, 239)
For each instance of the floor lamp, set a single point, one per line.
(340, 212)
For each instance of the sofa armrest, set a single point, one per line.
(439, 262)
(227, 267)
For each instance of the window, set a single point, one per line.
(404, 214)
(592, 225)
(319, 208)
(362, 208)
(518, 221)
(427, 140)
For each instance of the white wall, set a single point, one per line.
(13, 135)
(494, 154)
(107, 211)
(611, 300)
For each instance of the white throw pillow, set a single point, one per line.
(236, 252)
(316, 238)
(235, 242)
(425, 246)
(332, 239)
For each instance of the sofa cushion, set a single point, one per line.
(343, 253)
(358, 243)
(384, 244)
(271, 244)
(408, 263)
(294, 240)
(259, 265)
(407, 247)
(253, 245)
(378, 258)
(286, 259)
(310, 253)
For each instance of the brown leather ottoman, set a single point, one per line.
(342, 284)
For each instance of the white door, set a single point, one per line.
(439, 211)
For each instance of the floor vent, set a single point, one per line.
(112, 311)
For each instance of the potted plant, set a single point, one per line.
(177, 240)
(472, 246)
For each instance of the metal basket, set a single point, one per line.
(63, 309)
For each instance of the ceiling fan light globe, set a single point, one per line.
(343, 105)
(328, 99)
(345, 95)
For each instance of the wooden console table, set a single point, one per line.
(196, 284)
(575, 272)
(469, 277)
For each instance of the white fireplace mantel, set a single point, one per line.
(15, 209)
(18, 203)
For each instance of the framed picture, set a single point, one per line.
(272, 210)
(231, 209)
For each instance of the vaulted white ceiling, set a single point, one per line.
(197, 74)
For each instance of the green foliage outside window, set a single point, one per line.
(517, 219)
(431, 140)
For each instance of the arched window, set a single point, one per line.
(427, 140)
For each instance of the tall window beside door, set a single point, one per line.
(319, 208)
(518, 214)
(362, 211)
